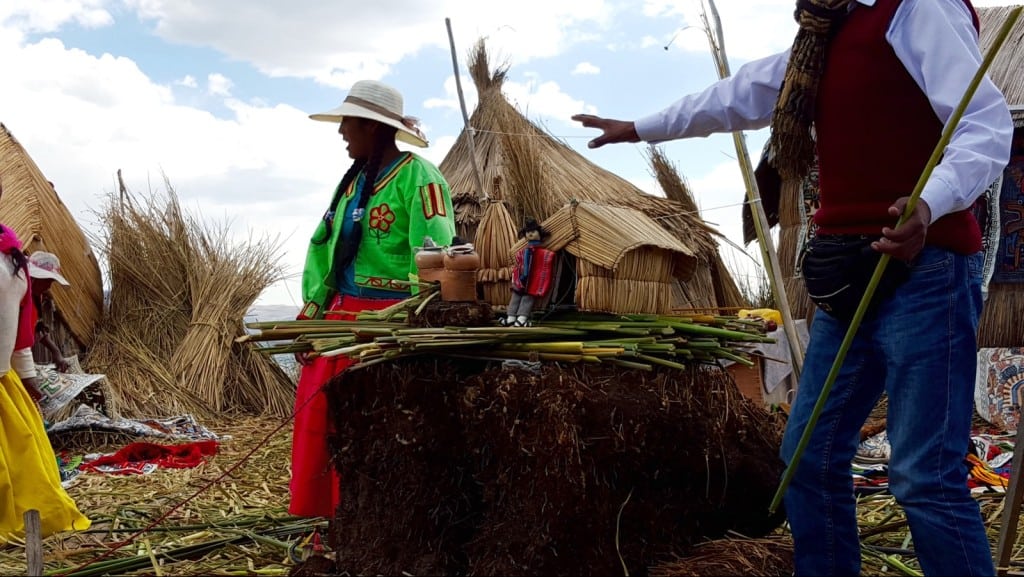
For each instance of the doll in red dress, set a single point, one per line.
(531, 275)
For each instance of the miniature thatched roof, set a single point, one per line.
(31, 207)
(1006, 70)
(537, 175)
(603, 235)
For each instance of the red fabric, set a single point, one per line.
(27, 313)
(315, 484)
(876, 131)
(182, 456)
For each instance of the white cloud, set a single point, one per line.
(218, 85)
(339, 42)
(586, 68)
(545, 101)
(188, 81)
(648, 41)
(83, 117)
(539, 100)
(49, 15)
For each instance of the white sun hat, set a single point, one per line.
(377, 101)
(45, 265)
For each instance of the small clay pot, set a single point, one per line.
(430, 263)
(461, 257)
(458, 286)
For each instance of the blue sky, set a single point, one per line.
(215, 94)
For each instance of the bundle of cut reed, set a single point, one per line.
(634, 341)
(494, 239)
(179, 291)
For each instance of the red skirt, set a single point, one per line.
(316, 485)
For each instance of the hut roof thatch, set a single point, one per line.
(31, 207)
(537, 174)
(604, 235)
(1007, 67)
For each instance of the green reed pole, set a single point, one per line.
(947, 134)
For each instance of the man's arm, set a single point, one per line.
(937, 43)
(742, 101)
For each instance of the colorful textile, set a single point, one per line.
(29, 477)
(86, 418)
(315, 484)
(1010, 257)
(140, 458)
(999, 386)
(59, 389)
(394, 222)
(986, 212)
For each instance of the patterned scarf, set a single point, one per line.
(792, 125)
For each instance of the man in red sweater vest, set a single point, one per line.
(891, 75)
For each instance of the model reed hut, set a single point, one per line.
(32, 208)
(619, 259)
(526, 172)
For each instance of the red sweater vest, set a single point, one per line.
(875, 132)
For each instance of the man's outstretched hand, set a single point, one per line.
(612, 131)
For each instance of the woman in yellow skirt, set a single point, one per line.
(29, 478)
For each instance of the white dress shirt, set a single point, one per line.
(936, 42)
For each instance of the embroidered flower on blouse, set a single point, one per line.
(381, 218)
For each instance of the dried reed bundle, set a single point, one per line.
(525, 167)
(179, 292)
(766, 557)
(602, 294)
(1005, 71)
(494, 239)
(1002, 320)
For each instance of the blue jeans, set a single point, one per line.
(920, 348)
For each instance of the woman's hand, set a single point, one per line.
(612, 131)
(31, 385)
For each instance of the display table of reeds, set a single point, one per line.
(581, 445)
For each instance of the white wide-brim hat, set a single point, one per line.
(377, 101)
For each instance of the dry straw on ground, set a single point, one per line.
(249, 507)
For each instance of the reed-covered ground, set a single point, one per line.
(243, 524)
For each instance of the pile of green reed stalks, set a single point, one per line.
(631, 341)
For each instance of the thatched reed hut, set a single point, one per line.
(1002, 323)
(533, 174)
(32, 208)
(615, 260)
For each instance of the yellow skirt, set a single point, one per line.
(29, 478)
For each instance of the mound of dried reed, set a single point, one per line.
(179, 292)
